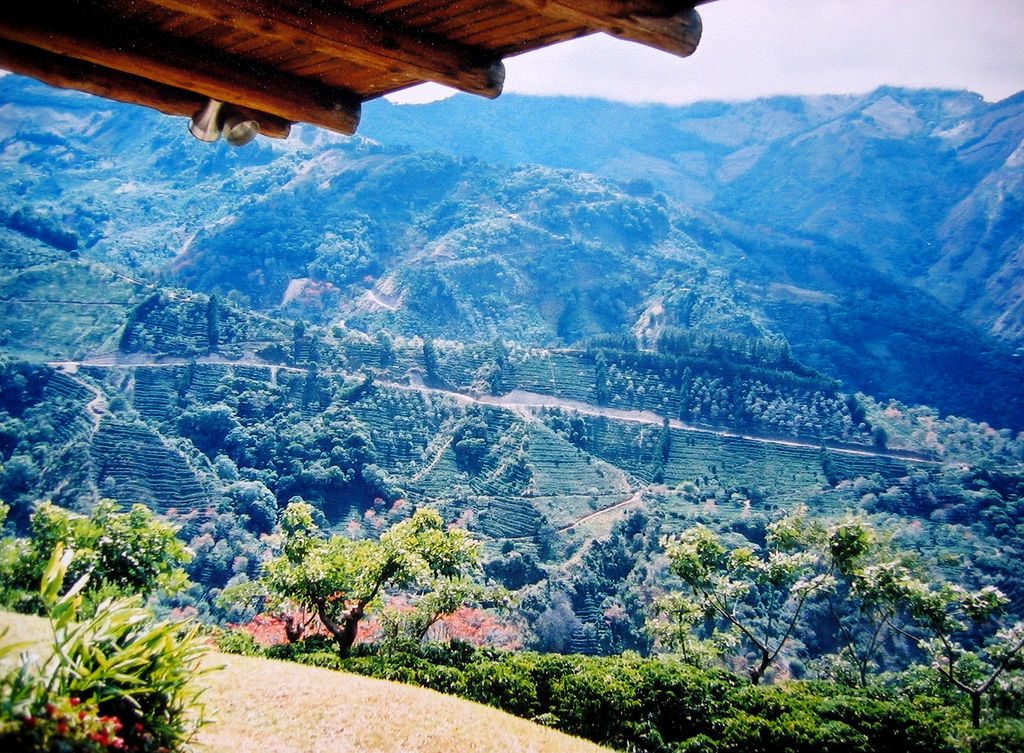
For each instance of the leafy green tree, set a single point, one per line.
(828, 467)
(123, 553)
(601, 378)
(430, 359)
(880, 437)
(115, 678)
(386, 347)
(338, 579)
(757, 595)
(208, 426)
(678, 632)
(18, 477)
(470, 441)
(861, 608)
(662, 452)
(405, 626)
(945, 616)
(213, 322)
(255, 500)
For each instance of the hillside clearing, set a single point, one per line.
(268, 706)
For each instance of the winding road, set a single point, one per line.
(514, 400)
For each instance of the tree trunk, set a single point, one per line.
(293, 628)
(976, 710)
(344, 629)
(756, 673)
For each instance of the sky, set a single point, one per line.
(757, 48)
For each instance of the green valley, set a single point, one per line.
(578, 353)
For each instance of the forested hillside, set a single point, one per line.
(833, 169)
(737, 224)
(569, 356)
(217, 418)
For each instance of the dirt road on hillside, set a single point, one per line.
(516, 400)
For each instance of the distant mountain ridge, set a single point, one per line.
(878, 235)
(919, 179)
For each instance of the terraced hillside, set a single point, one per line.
(135, 464)
(187, 325)
(513, 464)
(568, 464)
(547, 456)
(724, 384)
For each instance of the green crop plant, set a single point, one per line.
(116, 680)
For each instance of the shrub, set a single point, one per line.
(505, 684)
(1004, 736)
(237, 642)
(114, 681)
(637, 704)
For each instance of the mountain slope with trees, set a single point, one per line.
(914, 179)
(568, 365)
(770, 239)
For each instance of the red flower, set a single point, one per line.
(74, 701)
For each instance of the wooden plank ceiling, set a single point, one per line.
(314, 61)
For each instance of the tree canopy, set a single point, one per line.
(338, 579)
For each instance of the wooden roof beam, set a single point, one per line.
(68, 73)
(358, 37)
(180, 65)
(673, 27)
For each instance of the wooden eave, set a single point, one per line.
(313, 61)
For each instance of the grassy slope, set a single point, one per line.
(277, 707)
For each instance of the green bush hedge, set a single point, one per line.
(628, 702)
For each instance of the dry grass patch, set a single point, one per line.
(263, 706)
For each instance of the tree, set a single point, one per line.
(213, 323)
(880, 437)
(945, 615)
(387, 349)
(662, 452)
(678, 632)
(469, 441)
(208, 426)
(407, 625)
(601, 378)
(941, 617)
(430, 359)
(758, 595)
(861, 609)
(123, 553)
(255, 500)
(338, 579)
(828, 467)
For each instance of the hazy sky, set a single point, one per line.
(754, 48)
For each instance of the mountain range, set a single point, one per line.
(573, 327)
(880, 235)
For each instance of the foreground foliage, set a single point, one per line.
(872, 592)
(116, 680)
(639, 704)
(759, 598)
(122, 553)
